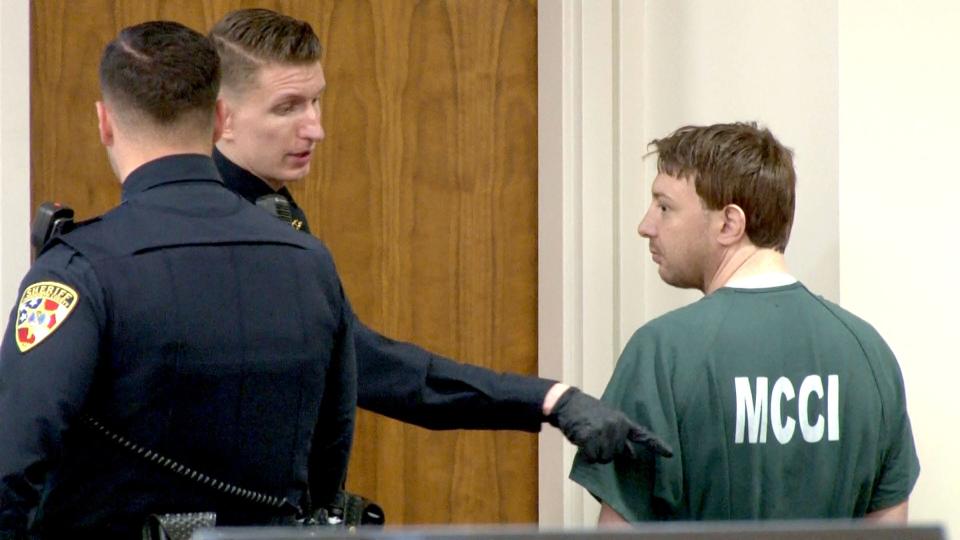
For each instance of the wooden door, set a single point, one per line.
(425, 190)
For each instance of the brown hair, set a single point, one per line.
(739, 164)
(163, 72)
(247, 39)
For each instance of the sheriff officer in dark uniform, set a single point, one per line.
(272, 85)
(160, 329)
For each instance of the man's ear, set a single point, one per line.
(226, 131)
(219, 115)
(104, 124)
(734, 226)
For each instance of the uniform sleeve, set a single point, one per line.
(407, 383)
(647, 487)
(900, 467)
(47, 360)
(330, 454)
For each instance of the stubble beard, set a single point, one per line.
(680, 280)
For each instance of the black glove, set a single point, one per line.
(601, 432)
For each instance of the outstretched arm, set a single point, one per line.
(407, 383)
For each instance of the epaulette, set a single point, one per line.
(59, 238)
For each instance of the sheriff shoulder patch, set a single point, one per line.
(43, 308)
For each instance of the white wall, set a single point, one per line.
(899, 191)
(14, 150)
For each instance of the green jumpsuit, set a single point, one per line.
(778, 404)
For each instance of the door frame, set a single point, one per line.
(590, 282)
(14, 149)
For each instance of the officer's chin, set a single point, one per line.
(296, 173)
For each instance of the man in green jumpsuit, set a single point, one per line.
(778, 403)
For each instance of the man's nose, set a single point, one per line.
(312, 127)
(645, 228)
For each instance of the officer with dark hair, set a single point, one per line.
(146, 371)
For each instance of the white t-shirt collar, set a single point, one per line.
(762, 281)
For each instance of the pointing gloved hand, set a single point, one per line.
(601, 432)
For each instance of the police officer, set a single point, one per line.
(154, 364)
(271, 89)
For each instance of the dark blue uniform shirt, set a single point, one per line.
(193, 324)
(410, 384)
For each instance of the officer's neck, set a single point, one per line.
(230, 152)
(126, 157)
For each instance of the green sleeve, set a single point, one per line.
(900, 467)
(647, 487)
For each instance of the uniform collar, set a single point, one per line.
(170, 169)
(248, 185)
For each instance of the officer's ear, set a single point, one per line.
(227, 130)
(104, 124)
(219, 119)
